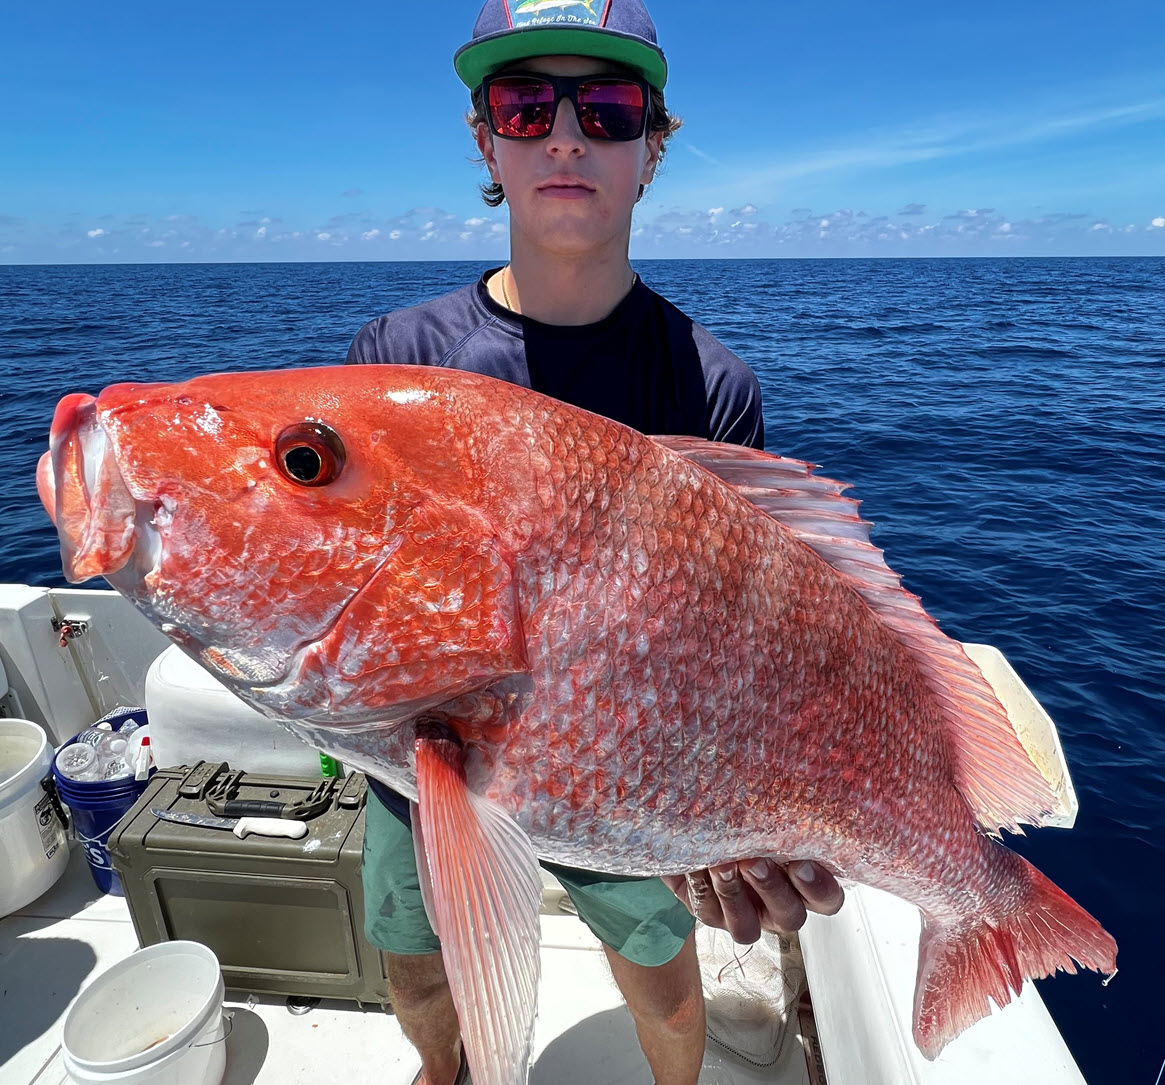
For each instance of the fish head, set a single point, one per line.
(329, 543)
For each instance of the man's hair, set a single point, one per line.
(658, 120)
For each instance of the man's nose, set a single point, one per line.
(565, 135)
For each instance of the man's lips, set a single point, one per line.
(568, 187)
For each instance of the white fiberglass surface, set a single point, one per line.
(583, 1036)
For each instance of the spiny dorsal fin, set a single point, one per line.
(994, 773)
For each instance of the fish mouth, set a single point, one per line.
(99, 522)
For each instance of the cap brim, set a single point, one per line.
(474, 61)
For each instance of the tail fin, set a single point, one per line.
(960, 967)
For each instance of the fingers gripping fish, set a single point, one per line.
(631, 654)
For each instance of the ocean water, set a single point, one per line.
(1003, 422)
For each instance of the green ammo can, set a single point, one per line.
(283, 916)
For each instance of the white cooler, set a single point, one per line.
(194, 717)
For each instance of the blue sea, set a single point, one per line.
(1003, 422)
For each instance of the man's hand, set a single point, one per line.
(757, 894)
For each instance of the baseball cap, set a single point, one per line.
(508, 30)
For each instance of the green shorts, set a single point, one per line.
(639, 918)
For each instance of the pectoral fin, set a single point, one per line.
(483, 893)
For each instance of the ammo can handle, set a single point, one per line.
(243, 808)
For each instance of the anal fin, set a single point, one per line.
(483, 894)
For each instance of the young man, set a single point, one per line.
(570, 121)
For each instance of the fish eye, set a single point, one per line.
(310, 454)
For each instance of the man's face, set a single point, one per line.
(568, 193)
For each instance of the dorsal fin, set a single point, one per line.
(993, 771)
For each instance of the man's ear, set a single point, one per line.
(485, 144)
(654, 143)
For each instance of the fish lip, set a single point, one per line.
(81, 485)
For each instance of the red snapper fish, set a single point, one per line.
(563, 639)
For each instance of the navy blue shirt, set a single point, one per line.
(646, 365)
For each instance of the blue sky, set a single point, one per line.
(259, 131)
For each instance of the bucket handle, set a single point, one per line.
(229, 1017)
(49, 784)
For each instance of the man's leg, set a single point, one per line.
(395, 922)
(648, 936)
(424, 1007)
(667, 1004)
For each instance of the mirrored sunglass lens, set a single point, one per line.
(522, 108)
(611, 110)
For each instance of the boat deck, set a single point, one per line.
(52, 948)
(860, 964)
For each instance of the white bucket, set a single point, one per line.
(154, 1018)
(33, 850)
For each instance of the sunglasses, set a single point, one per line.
(521, 105)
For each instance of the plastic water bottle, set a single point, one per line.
(111, 745)
(79, 761)
(114, 768)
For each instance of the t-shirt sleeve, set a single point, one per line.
(735, 413)
(425, 334)
(394, 338)
(362, 350)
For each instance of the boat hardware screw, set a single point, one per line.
(70, 629)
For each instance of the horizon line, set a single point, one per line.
(641, 260)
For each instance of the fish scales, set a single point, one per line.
(633, 783)
(656, 654)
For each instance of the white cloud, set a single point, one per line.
(849, 232)
(702, 154)
(709, 227)
(925, 139)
